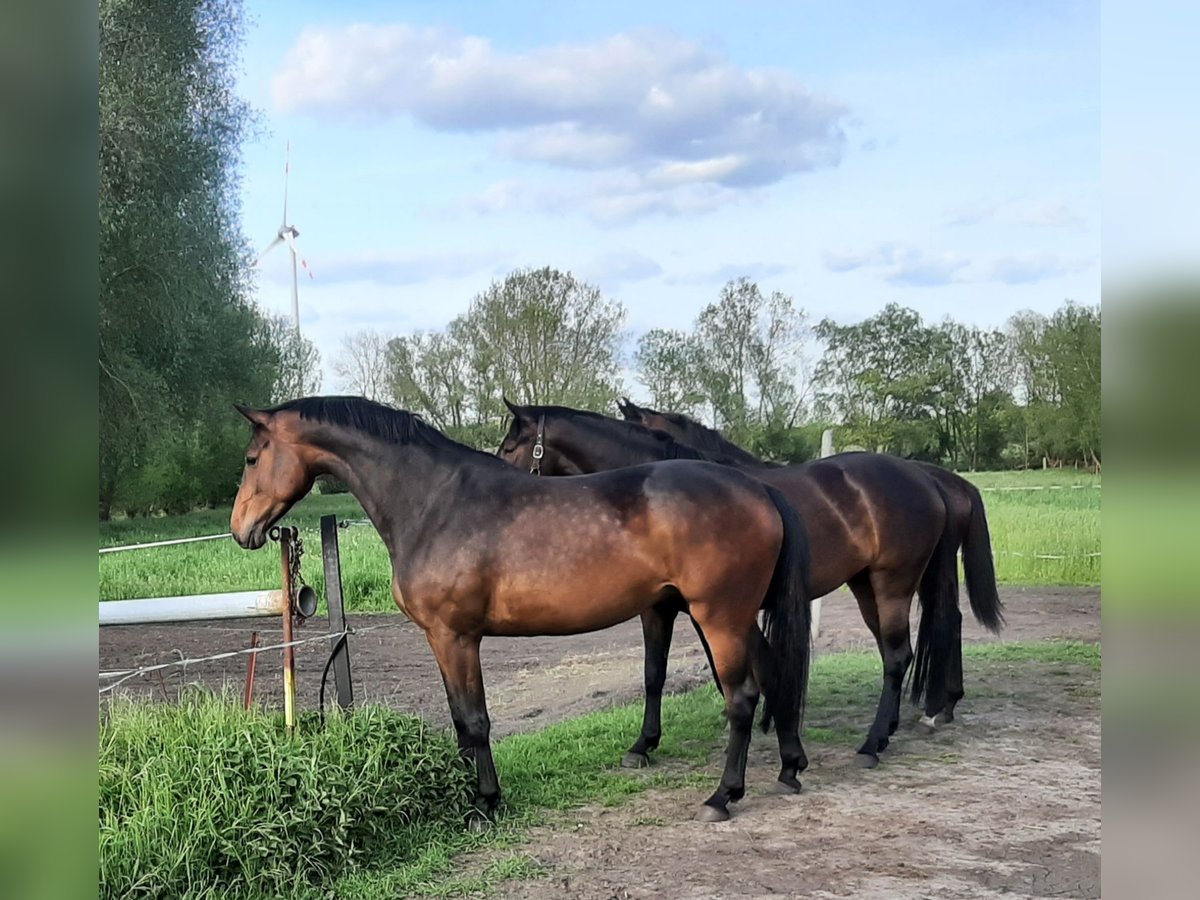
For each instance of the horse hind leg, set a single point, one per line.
(894, 605)
(954, 673)
(793, 760)
(731, 655)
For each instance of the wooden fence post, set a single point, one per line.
(337, 612)
(826, 450)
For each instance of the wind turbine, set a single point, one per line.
(287, 234)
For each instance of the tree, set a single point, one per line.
(975, 394)
(362, 364)
(1057, 361)
(668, 362)
(544, 337)
(1073, 345)
(879, 378)
(178, 337)
(429, 374)
(740, 363)
(299, 369)
(537, 336)
(747, 348)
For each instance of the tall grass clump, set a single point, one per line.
(205, 800)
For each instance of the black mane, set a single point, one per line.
(671, 448)
(396, 426)
(708, 440)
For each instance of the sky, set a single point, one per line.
(942, 155)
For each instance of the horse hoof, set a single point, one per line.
(785, 787)
(866, 760)
(478, 823)
(712, 814)
(927, 725)
(635, 760)
(944, 718)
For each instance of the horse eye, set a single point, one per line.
(251, 460)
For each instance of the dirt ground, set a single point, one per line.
(1004, 801)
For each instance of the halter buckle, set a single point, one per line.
(539, 449)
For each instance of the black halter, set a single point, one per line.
(539, 448)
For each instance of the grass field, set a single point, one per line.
(1039, 514)
(251, 796)
(1032, 514)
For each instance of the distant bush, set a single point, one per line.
(327, 484)
(206, 800)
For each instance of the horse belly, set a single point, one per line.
(570, 603)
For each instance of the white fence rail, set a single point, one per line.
(195, 608)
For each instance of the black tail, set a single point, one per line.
(936, 633)
(979, 567)
(787, 616)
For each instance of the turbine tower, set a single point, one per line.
(287, 234)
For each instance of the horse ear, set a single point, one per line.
(512, 408)
(253, 416)
(628, 409)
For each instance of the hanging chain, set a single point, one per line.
(294, 563)
(297, 578)
(295, 552)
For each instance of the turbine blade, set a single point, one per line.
(287, 168)
(267, 249)
(291, 241)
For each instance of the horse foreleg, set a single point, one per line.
(458, 658)
(658, 623)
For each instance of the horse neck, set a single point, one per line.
(716, 445)
(396, 484)
(599, 448)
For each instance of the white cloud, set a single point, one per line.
(621, 266)
(730, 272)
(906, 266)
(393, 269)
(1030, 269)
(1034, 214)
(610, 199)
(716, 169)
(666, 110)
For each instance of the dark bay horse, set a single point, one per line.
(478, 548)
(874, 521)
(939, 643)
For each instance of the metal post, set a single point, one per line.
(337, 613)
(827, 442)
(286, 536)
(815, 621)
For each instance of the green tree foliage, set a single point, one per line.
(537, 336)
(968, 397)
(974, 400)
(668, 364)
(881, 379)
(299, 369)
(361, 365)
(178, 338)
(1057, 362)
(740, 363)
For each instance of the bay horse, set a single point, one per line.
(874, 521)
(939, 643)
(478, 548)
